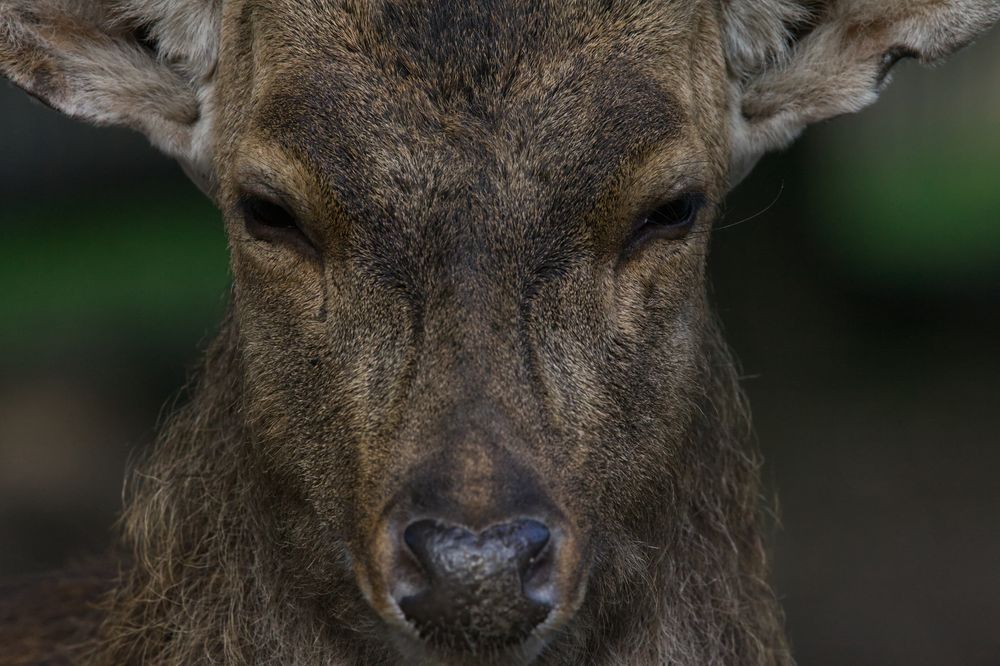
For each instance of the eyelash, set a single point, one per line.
(672, 220)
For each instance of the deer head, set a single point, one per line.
(478, 369)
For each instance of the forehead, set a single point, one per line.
(548, 89)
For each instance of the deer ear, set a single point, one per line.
(142, 64)
(796, 62)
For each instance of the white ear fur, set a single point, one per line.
(85, 59)
(780, 86)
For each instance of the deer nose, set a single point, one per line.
(492, 587)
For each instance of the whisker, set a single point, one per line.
(763, 211)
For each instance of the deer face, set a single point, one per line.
(468, 244)
(468, 247)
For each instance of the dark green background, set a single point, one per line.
(858, 276)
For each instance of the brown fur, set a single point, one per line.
(467, 321)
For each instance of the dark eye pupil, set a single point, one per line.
(270, 222)
(268, 214)
(678, 214)
(672, 220)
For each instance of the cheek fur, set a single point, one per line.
(324, 393)
(614, 366)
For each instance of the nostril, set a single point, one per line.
(531, 538)
(536, 566)
(534, 534)
(420, 537)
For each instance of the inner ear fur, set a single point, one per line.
(102, 62)
(816, 60)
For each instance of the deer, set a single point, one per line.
(470, 403)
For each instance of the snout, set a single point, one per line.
(491, 587)
(474, 561)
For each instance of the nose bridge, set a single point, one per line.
(470, 409)
(475, 310)
(473, 359)
(475, 472)
(471, 372)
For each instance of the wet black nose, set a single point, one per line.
(492, 586)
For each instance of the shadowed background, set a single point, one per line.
(857, 276)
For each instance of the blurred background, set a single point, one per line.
(857, 275)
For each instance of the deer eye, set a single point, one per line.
(672, 220)
(272, 222)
